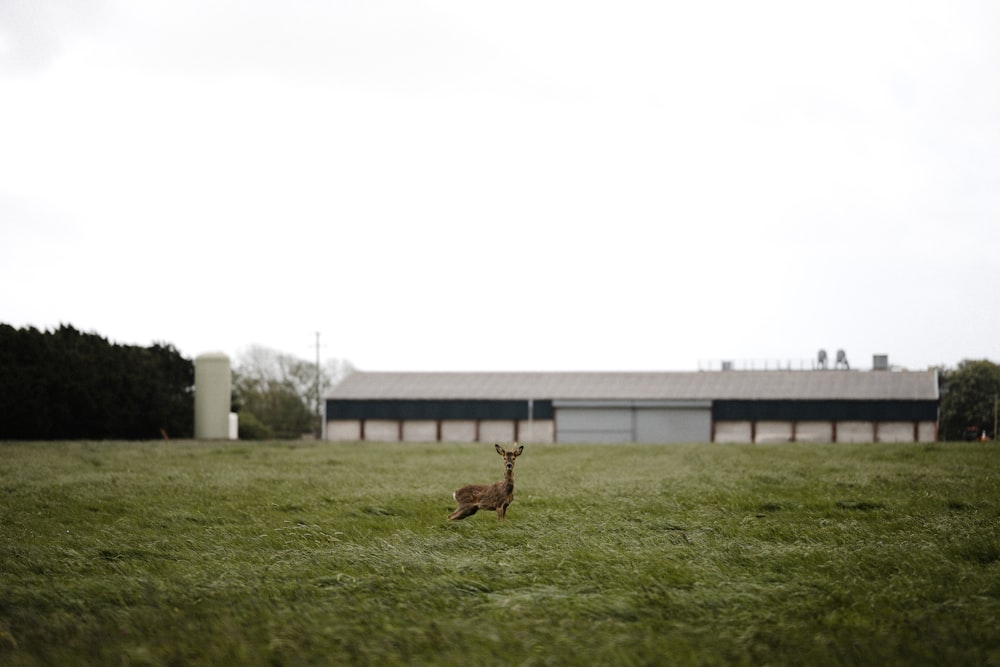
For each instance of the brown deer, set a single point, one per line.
(474, 497)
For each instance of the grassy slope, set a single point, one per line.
(703, 554)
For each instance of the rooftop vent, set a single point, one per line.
(880, 362)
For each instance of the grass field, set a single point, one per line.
(317, 553)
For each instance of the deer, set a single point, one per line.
(498, 496)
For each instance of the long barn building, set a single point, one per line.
(654, 407)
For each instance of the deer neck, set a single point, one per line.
(508, 479)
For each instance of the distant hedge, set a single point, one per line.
(64, 384)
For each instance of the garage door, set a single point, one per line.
(674, 424)
(594, 423)
(633, 421)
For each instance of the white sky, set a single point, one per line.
(466, 185)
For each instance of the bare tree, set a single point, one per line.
(281, 390)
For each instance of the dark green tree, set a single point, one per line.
(66, 384)
(968, 399)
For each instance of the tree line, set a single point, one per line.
(66, 384)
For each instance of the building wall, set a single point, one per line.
(616, 427)
(770, 431)
(620, 421)
(824, 421)
(451, 430)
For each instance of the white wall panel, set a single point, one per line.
(773, 431)
(536, 430)
(458, 430)
(927, 432)
(895, 432)
(733, 431)
(340, 430)
(814, 432)
(419, 430)
(382, 430)
(855, 432)
(496, 430)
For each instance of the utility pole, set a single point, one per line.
(531, 420)
(318, 412)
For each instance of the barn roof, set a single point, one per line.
(695, 385)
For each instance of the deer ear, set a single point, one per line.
(518, 451)
(499, 449)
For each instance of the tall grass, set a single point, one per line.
(195, 553)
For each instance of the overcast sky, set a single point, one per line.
(465, 185)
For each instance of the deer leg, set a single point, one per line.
(463, 511)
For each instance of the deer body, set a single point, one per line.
(498, 496)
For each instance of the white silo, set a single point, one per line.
(212, 396)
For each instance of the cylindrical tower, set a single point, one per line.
(212, 396)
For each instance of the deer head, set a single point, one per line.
(509, 456)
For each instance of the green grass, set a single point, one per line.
(318, 553)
